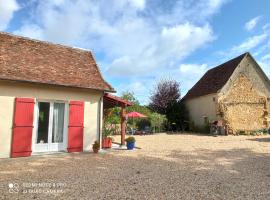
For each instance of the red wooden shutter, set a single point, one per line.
(75, 128)
(22, 127)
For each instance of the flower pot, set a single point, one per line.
(106, 143)
(95, 150)
(130, 145)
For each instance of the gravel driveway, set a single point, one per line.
(166, 167)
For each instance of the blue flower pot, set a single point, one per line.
(130, 145)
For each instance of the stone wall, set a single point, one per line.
(243, 108)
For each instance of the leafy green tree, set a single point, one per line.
(111, 120)
(177, 114)
(157, 121)
(129, 96)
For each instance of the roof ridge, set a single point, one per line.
(31, 60)
(45, 42)
(220, 65)
(215, 78)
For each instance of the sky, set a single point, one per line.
(136, 43)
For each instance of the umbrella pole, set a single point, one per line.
(133, 125)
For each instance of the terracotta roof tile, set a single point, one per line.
(214, 79)
(23, 59)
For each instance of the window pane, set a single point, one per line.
(58, 122)
(43, 122)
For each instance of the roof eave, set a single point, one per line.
(59, 85)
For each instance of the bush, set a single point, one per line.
(130, 139)
(264, 131)
(240, 132)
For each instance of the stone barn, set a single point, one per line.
(236, 93)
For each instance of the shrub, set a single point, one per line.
(241, 132)
(130, 139)
(264, 131)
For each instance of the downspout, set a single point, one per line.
(100, 118)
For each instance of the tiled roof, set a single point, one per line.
(214, 79)
(111, 101)
(23, 59)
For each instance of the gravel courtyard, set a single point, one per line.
(166, 167)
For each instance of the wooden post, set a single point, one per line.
(123, 124)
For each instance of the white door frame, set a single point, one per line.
(49, 147)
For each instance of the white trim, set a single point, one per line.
(100, 121)
(49, 145)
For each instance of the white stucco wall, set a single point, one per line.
(202, 106)
(6, 118)
(10, 90)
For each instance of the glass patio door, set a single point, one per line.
(50, 135)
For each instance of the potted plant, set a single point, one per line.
(96, 147)
(130, 142)
(107, 140)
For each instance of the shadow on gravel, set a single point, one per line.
(189, 133)
(201, 174)
(260, 139)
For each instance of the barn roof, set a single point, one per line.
(27, 60)
(214, 79)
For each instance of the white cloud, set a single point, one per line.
(140, 4)
(265, 65)
(266, 28)
(193, 68)
(254, 42)
(172, 44)
(141, 38)
(7, 9)
(266, 57)
(251, 24)
(139, 88)
(191, 73)
(31, 31)
(250, 43)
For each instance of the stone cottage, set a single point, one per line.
(236, 92)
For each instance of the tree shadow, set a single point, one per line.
(260, 139)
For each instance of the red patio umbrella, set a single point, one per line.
(135, 115)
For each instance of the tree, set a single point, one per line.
(177, 114)
(129, 96)
(136, 107)
(165, 99)
(165, 93)
(157, 121)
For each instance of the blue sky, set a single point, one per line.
(138, 42)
